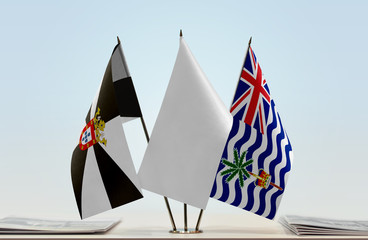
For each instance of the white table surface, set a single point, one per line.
(217, 226)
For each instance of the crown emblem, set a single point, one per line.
(99, 125)
(93, 132)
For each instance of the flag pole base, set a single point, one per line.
(182, 231)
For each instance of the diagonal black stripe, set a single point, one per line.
(106, 98)
(127, 98)
(119, 187)
(77, 172)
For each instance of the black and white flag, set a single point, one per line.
(102, 169)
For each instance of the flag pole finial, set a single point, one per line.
(250, 41)
(118, 39)
(181, 33)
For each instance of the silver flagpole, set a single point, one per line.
(147, 137)
(250, 41)
(199, 220)
(165, 198)
(170, 213)
(185, 218)
(185, 205)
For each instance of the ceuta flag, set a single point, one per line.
(102, 169)
(257, 158)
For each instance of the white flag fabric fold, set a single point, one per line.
(188, 138)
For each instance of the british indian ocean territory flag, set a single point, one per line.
(257, 157)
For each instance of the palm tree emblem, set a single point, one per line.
(237, 168)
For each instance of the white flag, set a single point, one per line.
(188, 138)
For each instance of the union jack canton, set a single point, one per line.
(252, 97)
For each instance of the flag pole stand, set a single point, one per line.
(186, 230)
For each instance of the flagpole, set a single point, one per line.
(185, 218)
(170, 213)
(147, 138)
(165, 198)
(185, 205)
(250, 41)
(199, 220)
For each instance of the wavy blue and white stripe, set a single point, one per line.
(271, 151)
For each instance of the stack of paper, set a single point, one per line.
(43, 226)
(321, 226)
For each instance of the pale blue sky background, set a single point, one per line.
(313, 54)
